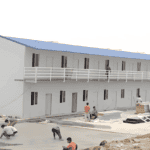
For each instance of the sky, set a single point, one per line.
(114, 24)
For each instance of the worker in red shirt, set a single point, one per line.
(87, 112)
(71, 146)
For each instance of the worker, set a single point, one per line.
(71, 146)
(108, 70)
(8, 131)
(10, 122)
(56, 130)
(94, 113)
(87, 112)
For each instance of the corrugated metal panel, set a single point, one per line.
(41, 45)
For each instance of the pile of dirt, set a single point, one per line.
(141, 142)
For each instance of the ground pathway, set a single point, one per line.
(37, 136)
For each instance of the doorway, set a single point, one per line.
(145, 96)
(131, 99)
(115, 99)
(74, 102)
(95, 100)
(48, 104)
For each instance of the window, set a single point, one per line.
(64, 61)
(34, 98)
(86, 63)
(35, 60)
(122, 93)
(62, 96)
(138, 66)
(85, 95)
(138, 92)
(106, 63)
(123, 65)
(105, 94)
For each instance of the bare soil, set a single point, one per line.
(141, 142)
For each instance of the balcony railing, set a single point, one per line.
(50, 74)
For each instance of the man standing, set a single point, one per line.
(71, 146)
(8, 131)
(87, 112)
(94, 113)
(108, 70)
(56, 130)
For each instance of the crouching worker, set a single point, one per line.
(10, 122)
(71, 146)
(8, 131)
(94, 113)
(56, 130)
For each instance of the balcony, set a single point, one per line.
(34, 74)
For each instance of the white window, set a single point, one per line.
(64, 61)
(138, 66)
(122, 93)
(138, 92)
(123, 65)
(85, 95)
(86, 63)
(35, 60)
(106, 63)
(34, 98)
(105, 94)
(62, 96)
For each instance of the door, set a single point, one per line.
(49, 61)
(74, 102)
(48, 104)
(132, 104)
(95, 100)
(115, 99)
(145, 99)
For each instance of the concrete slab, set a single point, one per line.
(39, 137)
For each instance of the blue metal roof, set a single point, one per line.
(41, 45)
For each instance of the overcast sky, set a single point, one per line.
(113, 24)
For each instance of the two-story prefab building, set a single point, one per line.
(45, 78)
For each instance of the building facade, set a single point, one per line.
(42, 82)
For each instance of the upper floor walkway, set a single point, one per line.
(34, 74)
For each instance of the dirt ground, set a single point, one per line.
(141, 142)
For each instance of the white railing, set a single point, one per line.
(48, 73)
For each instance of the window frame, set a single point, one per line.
(137, 92)
(105, 94)
(123, 65)
(62, 96)
(86, 63)
(122, 93)
(106, 62)
(63, 61)
(138, 66)
(35, 60)
(34, 98)
(85, 95)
